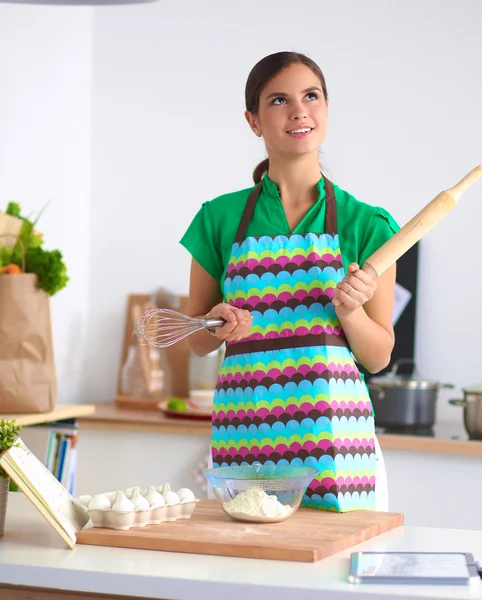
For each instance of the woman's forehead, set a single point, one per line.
(292, 79)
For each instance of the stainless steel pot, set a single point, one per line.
(404, 402)
(472, 405)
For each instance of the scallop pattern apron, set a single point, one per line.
(291, 392)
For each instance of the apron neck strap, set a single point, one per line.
(248, 213)
(330, 215)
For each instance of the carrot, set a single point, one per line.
(11, 269)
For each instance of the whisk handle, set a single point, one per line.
(210, 323)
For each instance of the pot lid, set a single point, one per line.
(413, 382)
(403, 381)
(473, 389)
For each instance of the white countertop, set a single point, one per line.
(32, 554)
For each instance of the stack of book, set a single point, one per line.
(61, 455)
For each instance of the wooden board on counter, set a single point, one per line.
(177, 354)
(308, 536)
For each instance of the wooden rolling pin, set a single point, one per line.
(416, 228)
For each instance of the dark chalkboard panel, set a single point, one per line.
(405, 329)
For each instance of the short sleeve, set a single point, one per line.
(200, 240)
(381, 227)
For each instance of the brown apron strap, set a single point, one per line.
(286, 343)
(248, 213)
(330, 215)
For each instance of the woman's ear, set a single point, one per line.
(253, 123)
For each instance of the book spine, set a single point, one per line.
(65, 473)
(60, 464)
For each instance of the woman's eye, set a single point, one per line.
(312, 96)
(279, 100)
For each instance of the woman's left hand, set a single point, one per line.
(353, 291)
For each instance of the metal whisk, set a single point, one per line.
(162, 327)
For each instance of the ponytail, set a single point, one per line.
(260, 170)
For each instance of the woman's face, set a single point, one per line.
(292, 113)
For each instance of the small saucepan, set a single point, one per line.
(404, 402)
(472, 405)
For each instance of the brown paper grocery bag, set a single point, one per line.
(28, 382)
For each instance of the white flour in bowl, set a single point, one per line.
(257, 503)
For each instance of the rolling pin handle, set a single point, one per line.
(369, 270)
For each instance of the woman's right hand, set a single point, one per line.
(238, 322)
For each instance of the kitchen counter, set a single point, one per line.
(448, 438)
(31, 554)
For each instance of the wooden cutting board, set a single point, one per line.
(308, 536)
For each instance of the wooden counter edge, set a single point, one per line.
(108, 416)
(59, 413)
(115, 425)
(14, 592)
(430, 444)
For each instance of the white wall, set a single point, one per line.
(45, 153)
(169, 133)
(164, 86)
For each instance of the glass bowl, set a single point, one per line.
(260, 493)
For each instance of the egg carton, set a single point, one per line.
(134, 507)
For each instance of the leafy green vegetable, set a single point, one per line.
(25, 233)
(49, 268)
(5, 256)
(13, 209)
(47, 265)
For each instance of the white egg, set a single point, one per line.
(154, 497)
(186, 495)
(122, 503)
(131, 491)
(99, 502)
(84, 500)
(139, 501)
(170, 497)
(162, 488)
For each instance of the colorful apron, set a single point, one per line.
(291, 393)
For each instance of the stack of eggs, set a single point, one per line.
(137, 508)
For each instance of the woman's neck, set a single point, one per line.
(296, 179)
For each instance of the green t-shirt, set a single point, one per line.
(362, 228)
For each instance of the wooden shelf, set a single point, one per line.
(60, 412)
(110, 416)
(418, 443)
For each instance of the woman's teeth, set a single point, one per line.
(298, 131)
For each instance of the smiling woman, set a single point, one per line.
(279, 263)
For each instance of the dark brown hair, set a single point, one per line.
(261, 74)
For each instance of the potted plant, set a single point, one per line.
(8, 438)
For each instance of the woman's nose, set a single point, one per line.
(298, 111)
